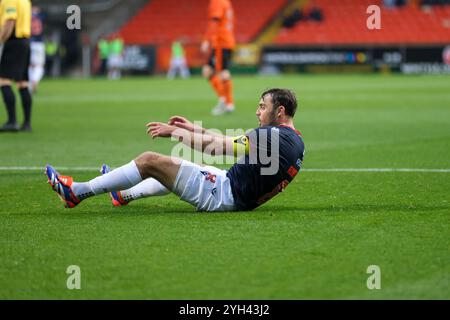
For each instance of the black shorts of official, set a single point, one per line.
(220, 59)
(15, 59)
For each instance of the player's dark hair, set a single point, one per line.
(283, 97)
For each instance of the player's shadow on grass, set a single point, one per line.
(364, 208)
(144, 209)
(154, 209)
(147, 209)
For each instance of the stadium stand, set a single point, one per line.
(161, 21)
(344, 23)
(99, 17)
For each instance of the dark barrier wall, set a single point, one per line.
(408, 60)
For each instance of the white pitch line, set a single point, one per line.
(374, 170)
(12, 168)
(43, 168)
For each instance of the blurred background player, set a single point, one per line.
(178, 62)
(15, 30)
(115, 57)
(103, 51)
(220, 38)
(37, 47)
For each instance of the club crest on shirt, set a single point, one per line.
(209, 176)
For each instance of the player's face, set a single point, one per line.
(265, 112)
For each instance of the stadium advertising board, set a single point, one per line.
(434, 60)
(410, 60)
(139, 59)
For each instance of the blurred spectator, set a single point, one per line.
(37, 47)
(103, 51)
(316, 14)
(396, 3)
(51, 51)
(292, 19)
(389, 3)
(115, 58)
(310, 12)
(178, 61)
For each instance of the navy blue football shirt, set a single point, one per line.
(274, 159)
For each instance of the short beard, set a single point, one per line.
(273, 118)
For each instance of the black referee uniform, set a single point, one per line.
(15, 30)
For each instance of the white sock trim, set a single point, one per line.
(131, 171)
(121, 178)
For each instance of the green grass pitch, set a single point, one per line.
(313, 241)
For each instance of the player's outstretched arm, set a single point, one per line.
(204, 142)
(182, 122)
(162, 130)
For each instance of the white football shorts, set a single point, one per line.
(37, 57)
(115, 61)
(205, 187)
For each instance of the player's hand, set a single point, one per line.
(182, 122)
(178, 119)
(159, 129)
(204, 47)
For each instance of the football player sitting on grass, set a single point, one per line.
(269, 158)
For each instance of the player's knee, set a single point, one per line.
(22, 84)
(225, 75)
(146, 162)
(207, 71)
(5, 82)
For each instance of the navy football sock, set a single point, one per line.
(10, 103)
(26, 104)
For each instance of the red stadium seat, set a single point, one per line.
(162, 21)
(345, 23)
